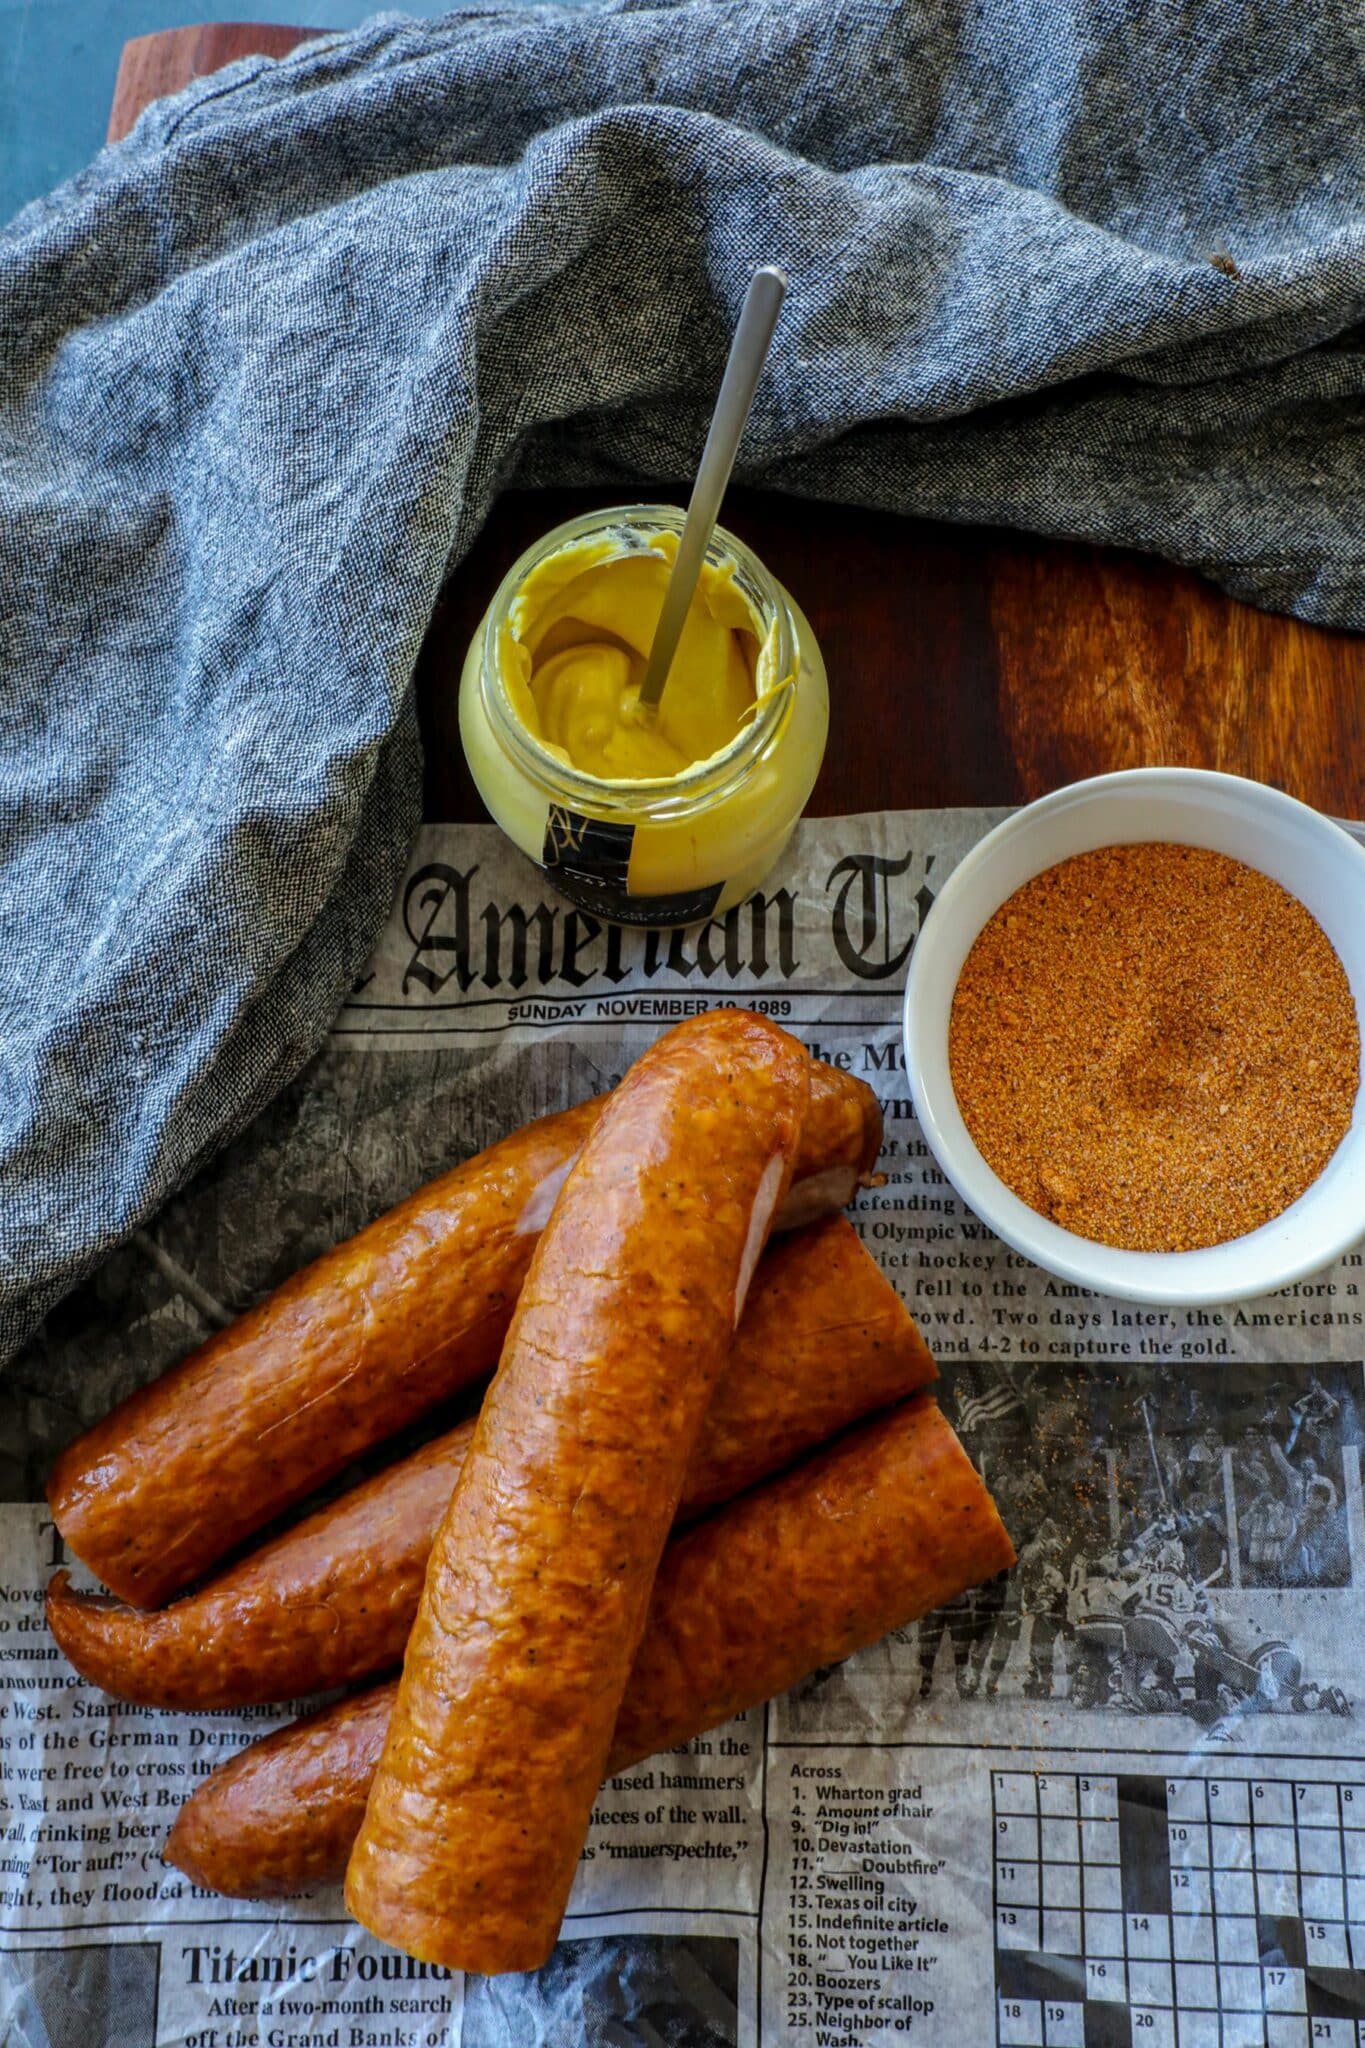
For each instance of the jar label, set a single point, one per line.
(589, 862)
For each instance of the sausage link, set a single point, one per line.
(862, 1538)
(824, 1339)
(878, 1528)
(283, 1814)
(355, 1347)
(841, 1141)
(540, 1575)
(349, 1350)
(328, 1602)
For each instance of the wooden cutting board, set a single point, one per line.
(966, 665)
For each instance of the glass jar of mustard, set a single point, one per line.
(660, 821)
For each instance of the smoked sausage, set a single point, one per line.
(354, 1348)
(539, 1579)
(824, 1339)
(862, 1538)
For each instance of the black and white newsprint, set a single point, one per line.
(1117, 1797)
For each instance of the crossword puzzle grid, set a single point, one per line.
(1146, 1912)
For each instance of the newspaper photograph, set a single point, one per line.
(1113, 1796)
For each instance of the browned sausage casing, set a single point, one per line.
(540, 1575)
(824, 1339)
(355, 1347)
(862, 1538)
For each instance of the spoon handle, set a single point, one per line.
(748, 352)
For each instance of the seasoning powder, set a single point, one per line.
(1155, 1045)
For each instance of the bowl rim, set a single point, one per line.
(1162, 1279)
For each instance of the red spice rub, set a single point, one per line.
(1155, 1045)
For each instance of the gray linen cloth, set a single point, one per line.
(1088, 266)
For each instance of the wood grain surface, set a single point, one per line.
(152, 67)
(966, 665)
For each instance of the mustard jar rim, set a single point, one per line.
(703, 782)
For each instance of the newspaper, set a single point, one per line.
(1115, 1796)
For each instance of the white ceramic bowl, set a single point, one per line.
(1297, 847)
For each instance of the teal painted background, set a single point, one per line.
(58, 60)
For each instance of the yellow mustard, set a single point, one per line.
(649, 819)
(576, 642)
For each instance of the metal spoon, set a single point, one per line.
(744, 367)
